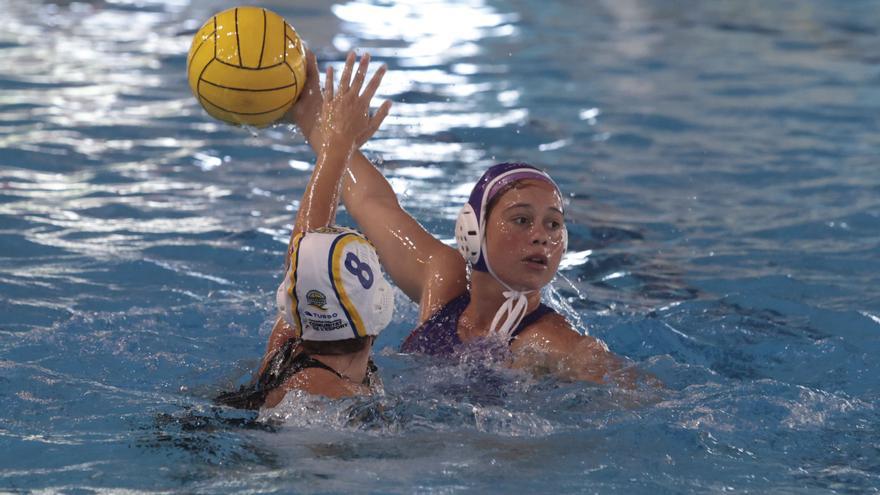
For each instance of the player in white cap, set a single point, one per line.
(334, 299)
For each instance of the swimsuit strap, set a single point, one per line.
(281, 367)
(439, 333)
(278, 369)
(530, 318)
(303, 361)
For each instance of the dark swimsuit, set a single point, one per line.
(438, 335)
(283, 365)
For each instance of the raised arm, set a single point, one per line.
(346, 124)
(425, 269)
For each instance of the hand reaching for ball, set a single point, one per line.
(306, 112)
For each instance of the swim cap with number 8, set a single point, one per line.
(246, 66)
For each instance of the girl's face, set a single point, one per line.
(524, 235)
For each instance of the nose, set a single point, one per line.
(540, 236)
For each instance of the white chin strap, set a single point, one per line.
(511, 313)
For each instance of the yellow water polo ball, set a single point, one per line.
(246, 66)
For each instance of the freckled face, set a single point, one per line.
(524, 235)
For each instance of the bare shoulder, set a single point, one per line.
(318, 381)
(315, 381)
(551, 332)
(551, 345)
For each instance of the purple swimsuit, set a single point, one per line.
(438, 335)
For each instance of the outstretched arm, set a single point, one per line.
(346, 124)
(425, 269)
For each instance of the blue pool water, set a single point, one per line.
(721, 162)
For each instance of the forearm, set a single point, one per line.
(361, 182)
(367, 194)
(321, 197)
(405, 248)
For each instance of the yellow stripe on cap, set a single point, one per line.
(291, 289)
(353, 314)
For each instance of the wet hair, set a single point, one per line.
(336, 347)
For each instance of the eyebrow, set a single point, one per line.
(527, 205)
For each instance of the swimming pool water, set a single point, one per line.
(720, 160)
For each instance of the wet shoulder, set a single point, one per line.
(315, 381)
(551, 331)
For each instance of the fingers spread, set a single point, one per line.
(373, 85)
(361, 73)
(328, 85)
(345, 114)
(346, 73)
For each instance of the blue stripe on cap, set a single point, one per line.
(333, 281)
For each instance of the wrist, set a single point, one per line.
(335, 149)
(337, 141)
(313, 137)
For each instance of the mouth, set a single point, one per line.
(536, 260)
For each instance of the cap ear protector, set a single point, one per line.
(467, 234)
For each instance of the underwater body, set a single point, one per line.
(723, 203)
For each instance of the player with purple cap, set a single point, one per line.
(511, 233)
(470, 228)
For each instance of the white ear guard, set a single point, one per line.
(467, 234)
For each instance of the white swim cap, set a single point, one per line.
(334, 288)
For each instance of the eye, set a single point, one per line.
(520, 220)
(555, 224)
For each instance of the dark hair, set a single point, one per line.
(336, 347)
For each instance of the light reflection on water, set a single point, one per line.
(721, 189)
(425, 33)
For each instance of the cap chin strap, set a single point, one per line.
(511, 313)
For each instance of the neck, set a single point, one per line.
(352, 366)
(487, 296)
